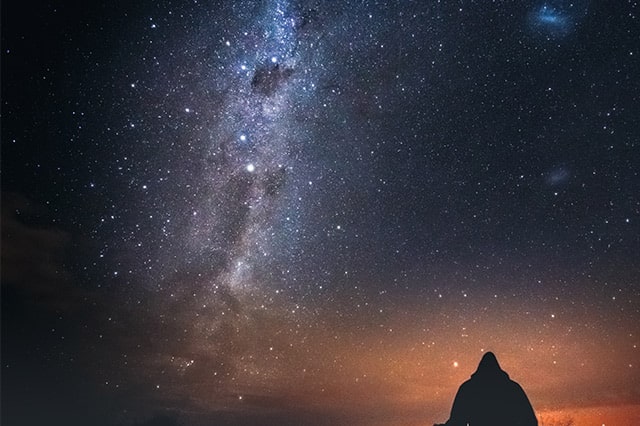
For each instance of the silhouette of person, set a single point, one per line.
(491, 398)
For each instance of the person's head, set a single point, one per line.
(488, 364)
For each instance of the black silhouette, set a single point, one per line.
(491, 398)
(159, 420)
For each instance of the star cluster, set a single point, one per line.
(308, 212)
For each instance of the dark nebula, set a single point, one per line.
(317, 212)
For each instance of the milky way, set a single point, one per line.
(309, 212)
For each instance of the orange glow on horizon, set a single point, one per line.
(382, 376)
(613, 415)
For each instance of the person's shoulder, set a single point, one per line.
(516, 386)
(468, 384)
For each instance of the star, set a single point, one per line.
(252, 212)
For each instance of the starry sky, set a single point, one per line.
(318, 212)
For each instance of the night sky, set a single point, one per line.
(318, 212)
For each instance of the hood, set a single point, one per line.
(489, 368)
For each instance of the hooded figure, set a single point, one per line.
(490, 398)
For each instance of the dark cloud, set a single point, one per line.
(34, 255)
(267, 79)
(304, 212)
